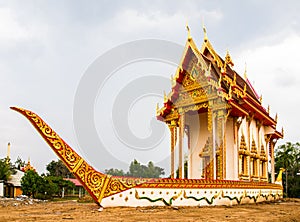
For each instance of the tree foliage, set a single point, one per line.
(19, 163)
(287, 156)
(58, 169)
(6, 169)
(55, 185)
(114, 172)
(136, 169)
(49, 185)
(32, 183)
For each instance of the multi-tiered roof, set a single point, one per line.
(236, 91)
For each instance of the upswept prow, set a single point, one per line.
(98, 185)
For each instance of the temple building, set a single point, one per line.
(229, 134)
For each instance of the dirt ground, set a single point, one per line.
(285, 210)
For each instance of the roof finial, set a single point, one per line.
(234, 79)
(172, 80)
(165, 97)
(188, 30)
(228, 59)
(245, 90)
(204, 31)
(268, 110)
(230, 93)
(282, 131)
(276, 117)
(260, 99)
(245, 72)
(157, 107)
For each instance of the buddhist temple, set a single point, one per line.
(230, 135)
(218, 118)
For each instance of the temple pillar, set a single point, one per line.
(272, 145)
(173, 132)
(220, 146)
(180, 140)
(211, 154)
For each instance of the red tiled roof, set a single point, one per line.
(75, 181)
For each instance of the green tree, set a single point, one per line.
(55, 185)
(50, 188)
(19, 163)
(185, 168)
(287, 156)
(32, 183)
(115, 172)
(58, 169)
(6, 169)
(135, 169)
(150, 171)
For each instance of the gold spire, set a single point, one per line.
(204, 31)
(28, 166)
(276, 117)
(245, 72)
(188, 30)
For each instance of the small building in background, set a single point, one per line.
(79, 190)
(12, 187)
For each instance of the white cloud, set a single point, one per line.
(10, 28)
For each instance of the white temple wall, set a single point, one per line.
(231, 152)
(198, 136)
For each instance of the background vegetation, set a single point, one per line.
(52, 184)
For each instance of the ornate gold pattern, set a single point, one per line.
(243, 159)
(195, 96)
(195, 107)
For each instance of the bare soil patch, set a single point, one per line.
(284, 210)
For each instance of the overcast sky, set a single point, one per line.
(47, 46)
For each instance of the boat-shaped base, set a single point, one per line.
(142, 197)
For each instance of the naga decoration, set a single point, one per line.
(98, 185)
